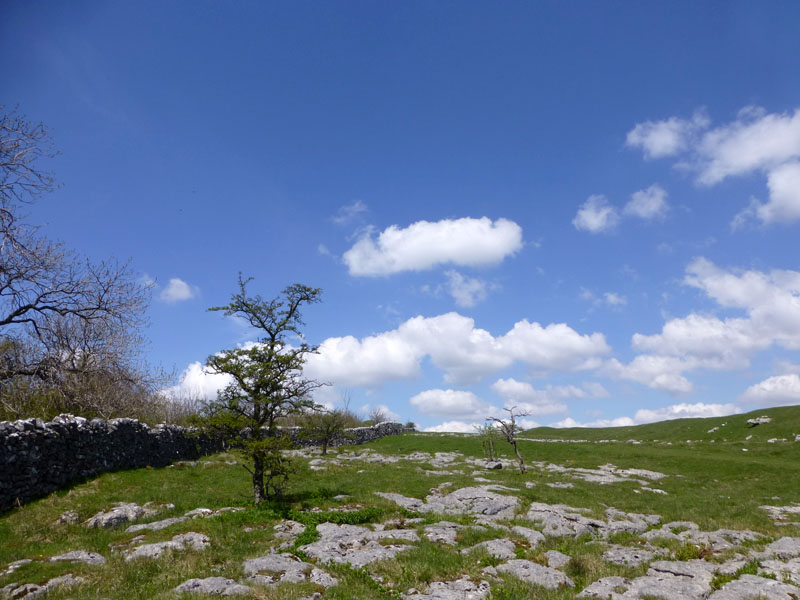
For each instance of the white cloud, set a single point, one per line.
(534, 401)
(196, 383)
(610, 299)
(618, 422)
(453, 427)
(666, 138)
(349, 212)
(675, 411)
(771, 302)
(614, 299)
(424, 245)
(775, 391)
(650, 203)
(178, 290)
(685, 411)
(756, 141)
(457, 404)
(784, 195)
(595, 389)
(596, 215)
(466, 291)
(453, 343)
(658, 372)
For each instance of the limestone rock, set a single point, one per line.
(556, 559)
(273, 569)
(90, 558)
(157, 525)
(69, 517)
(218, 586)
(356, 545)
(500, 548)
(607, 587)
(532, 572)
(444, 532)
(752, 586)
(533, 536)
(788, 570)
(121, 513)
(181, 542)
(459, 589)
(627, 556)
(786, 547)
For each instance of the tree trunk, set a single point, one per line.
(258, 478)
(519, 457)
(324, 446)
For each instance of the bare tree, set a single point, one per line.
(488, 435)
(69, 328)
(378, 415)
(509, 429)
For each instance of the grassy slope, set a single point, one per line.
(715, 484)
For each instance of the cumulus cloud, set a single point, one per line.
(177, 290)
(457, 404)
(775, 391)
(466, 291)
(596, 215)
(452, 342)
(534, 401)
(659, 139)
(424, 245)
(197, 383)
(675, 411)
(771, 306)
(570, 422)
(650, 203)
(756, 141)
(784, 195)
(453, 427)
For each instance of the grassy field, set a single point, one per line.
(717, 479)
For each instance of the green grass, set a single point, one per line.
(714, 484)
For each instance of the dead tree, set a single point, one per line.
(509, 429)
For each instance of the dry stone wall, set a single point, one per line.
(37, 458)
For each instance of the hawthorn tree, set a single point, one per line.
(509, 429)
(267, 382)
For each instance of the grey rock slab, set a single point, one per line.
(533, 536)
(479, 501)
(607, 587)
(563, 485)
(273, 569)
(443, 531)
(783, 570)
(459, 589)
(90, 558)
(628, 556)
(556, 559)
(157, 525)
(288, 529)
(181, 542)
(414, 504)
(558, 520)
(500, 548)
(786, 547)
(29, 591)
(121, 513)
(217, 586)
(752, 586)
(532, 572)
(356, 545)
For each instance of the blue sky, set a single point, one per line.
(587, 210)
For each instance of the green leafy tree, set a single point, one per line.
(266, 382)
(323, 427)
(488, 435)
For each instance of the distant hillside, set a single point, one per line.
(732, 428)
